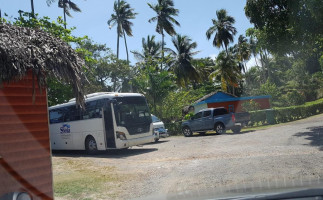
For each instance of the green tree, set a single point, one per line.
(290, 27)
(154, 84)
(150, 50)
(223, 29)
(121, 17)
(183, 56)
(165, 22)
(226, 69)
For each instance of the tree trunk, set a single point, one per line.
(226, 49)
(114, 84)
(255, 56)
(118, 41)
(161, 65)
(64, 10)
(125, 43)
(32, 8)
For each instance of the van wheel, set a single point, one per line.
(90, 145)
(187, 131)
(156, 139)
(219, 128)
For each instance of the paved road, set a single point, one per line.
(283, 155)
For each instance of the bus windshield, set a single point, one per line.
(132, 111)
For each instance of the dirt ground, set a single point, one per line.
(280, 156)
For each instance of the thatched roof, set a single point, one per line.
(23, 49)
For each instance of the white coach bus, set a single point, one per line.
(109, 121)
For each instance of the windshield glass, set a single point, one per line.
(155, 119)
(131, 111)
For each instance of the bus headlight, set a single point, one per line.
(121, 135)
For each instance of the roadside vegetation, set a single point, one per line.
(286, 45)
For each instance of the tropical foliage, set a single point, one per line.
(285, 45)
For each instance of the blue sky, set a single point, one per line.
(194, 16)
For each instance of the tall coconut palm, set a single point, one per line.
(183, 56)
(243, 51)
(67, 5)
(123, 13)
(150, 49)
(165, 22)
(223, 29)
(226, 69)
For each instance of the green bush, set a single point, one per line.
(287, 114)
(174, 128)
(295, 98)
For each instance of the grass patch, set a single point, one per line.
(81, 180)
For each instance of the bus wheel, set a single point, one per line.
(90, 145)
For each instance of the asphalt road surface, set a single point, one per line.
(286, 155)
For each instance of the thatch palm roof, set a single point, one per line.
(23, 49)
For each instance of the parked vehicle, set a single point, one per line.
(159, 128)
(110, 121)
(217, 119)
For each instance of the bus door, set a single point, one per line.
(109, 129)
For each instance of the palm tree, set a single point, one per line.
(67, 5)
(182, 66)
(150, 49)
(243, 51)
(123, 13)
(165, 22)
(223, 29)
(226, 69)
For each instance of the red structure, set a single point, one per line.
(228, 101)
(25, 156)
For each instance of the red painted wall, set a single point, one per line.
(263, 103)
(24, 141)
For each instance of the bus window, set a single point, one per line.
(93, 109)
(72, 113)
(56, 116)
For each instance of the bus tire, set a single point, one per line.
(219, 128)
(90, 145)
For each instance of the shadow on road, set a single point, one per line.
(158, 142)
(112, 153)
(213, 134)
(315, 135)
